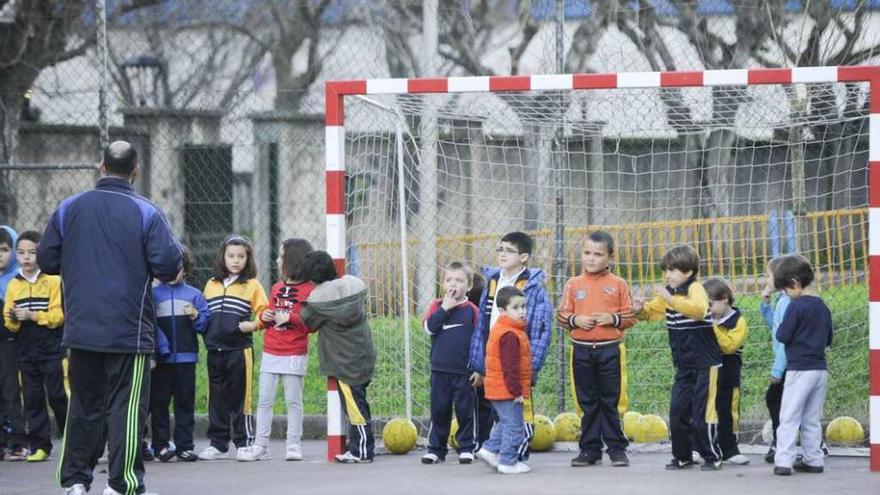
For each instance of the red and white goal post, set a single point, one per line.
(335, 141)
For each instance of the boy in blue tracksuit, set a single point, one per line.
(513, 251)
(450, 324)
(181, 313)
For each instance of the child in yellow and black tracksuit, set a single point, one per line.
(695, 354)
(234, 297)
(32, 309)
(730, 332)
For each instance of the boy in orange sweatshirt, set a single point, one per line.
(596, 307)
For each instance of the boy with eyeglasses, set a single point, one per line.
(513, 254)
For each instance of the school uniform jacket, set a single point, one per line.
(229, 306)
(38, 340)
(177, 330)
(691, 333)
(731, 332)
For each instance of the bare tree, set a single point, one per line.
(38, 34)
(197, 67)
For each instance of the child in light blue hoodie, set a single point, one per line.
(773, 317)
(12, 446)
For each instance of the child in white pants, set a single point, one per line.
(806, 331)
(285, 353)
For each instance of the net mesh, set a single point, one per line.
(742, 174)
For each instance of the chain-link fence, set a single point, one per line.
(224, 101)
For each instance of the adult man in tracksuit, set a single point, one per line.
(108, 244)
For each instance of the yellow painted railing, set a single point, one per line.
(736, 248)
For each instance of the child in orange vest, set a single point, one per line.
(508, 382)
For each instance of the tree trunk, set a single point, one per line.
(10, 122)
(288, 92)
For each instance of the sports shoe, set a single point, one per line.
(165, 454)
(19, 454)
(212, 453)
(737, 460)
(490, 458)
(711, 466)
(587, 459)
(110, 491)
(39, 456)
(147, 452)
(293, 453)
(696, 457)
(349, 458)
(824, 447)
(676, 464)
(781, 471)
(252, 453)
(466, 458)
(770, 456)
(431, 458)
(77, 489)
(803, 467)
(518, 468)
(619, 458)
(187, 456)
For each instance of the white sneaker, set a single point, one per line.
(349, 458)
(294, 453)
(431, 458)
(518, 468)
(696, 457)
(466, 458)
(489, 458)
(737, 460)
(77, 489)
(212, 453)
(252, 453)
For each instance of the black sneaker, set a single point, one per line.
(711, 466)
(770, 456)
(587, 459)
(165, 454)
(619, 458)
(676, 464)
(803, 467)
(187, 456)
(781, 471)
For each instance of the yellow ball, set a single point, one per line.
(399, 435)
(845, 430)
(453, 430)
(630, 421)
(654, 429)
(545, 434)
(568, 427)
